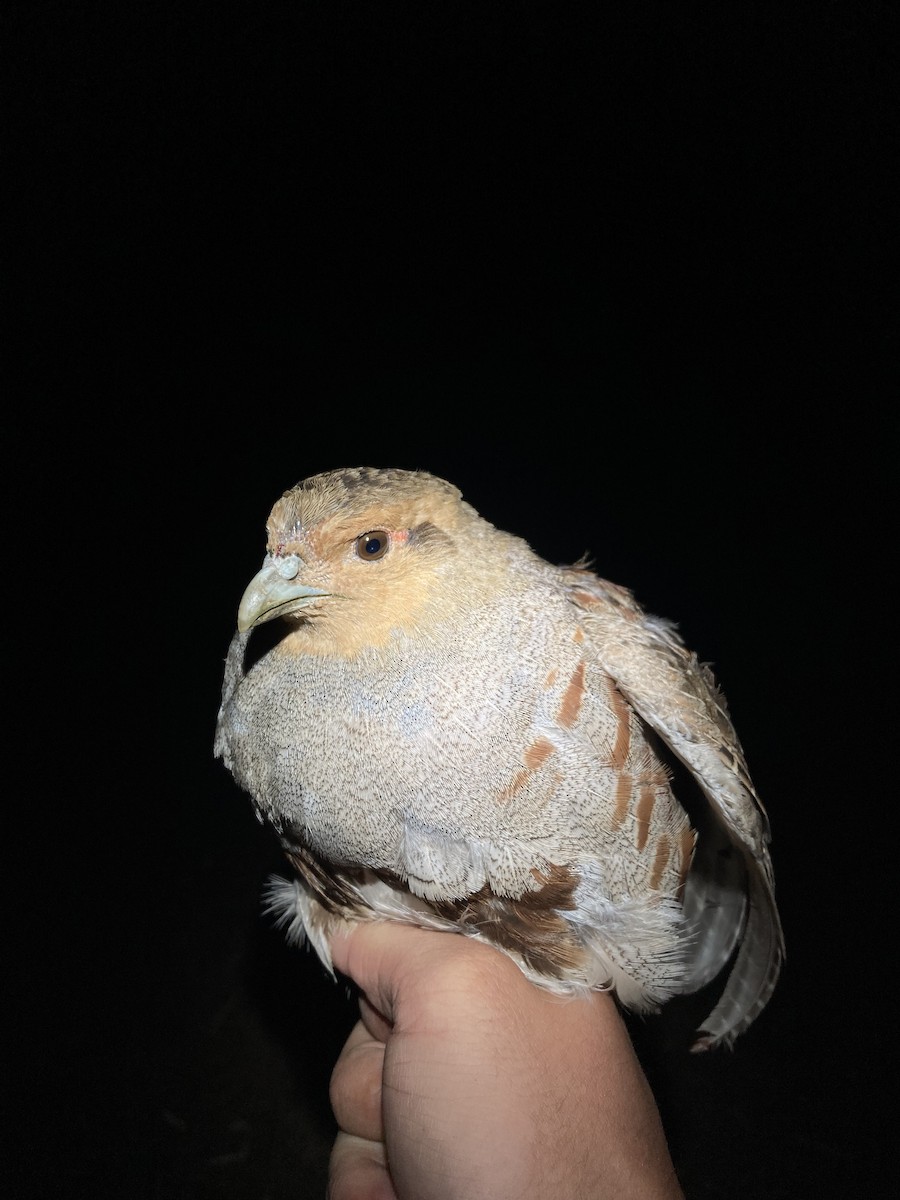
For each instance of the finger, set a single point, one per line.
(371, 952)
(358, 1170)
(359, 1035)
(356, 1082)
(380, 956)
(378, 1026)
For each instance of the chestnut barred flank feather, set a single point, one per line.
(452, 732)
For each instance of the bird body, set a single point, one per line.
(454, 732)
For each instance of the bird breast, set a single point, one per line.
(479, 754)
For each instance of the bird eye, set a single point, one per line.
(373, 545)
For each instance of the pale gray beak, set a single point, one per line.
(273, 592)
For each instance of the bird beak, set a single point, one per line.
(274, 592)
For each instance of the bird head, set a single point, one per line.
(354, 555)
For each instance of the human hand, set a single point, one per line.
(463, 1081)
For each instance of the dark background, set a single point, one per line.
(628, 279)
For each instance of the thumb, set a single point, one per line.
(382, 957)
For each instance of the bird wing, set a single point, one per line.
(678, 698)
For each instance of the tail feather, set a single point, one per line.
(715, 904)
(755, 972)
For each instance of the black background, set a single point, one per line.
(627, 278)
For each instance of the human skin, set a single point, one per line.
(464, 1081)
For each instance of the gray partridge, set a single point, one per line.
(451, 731)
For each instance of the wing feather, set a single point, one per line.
(678, 698)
